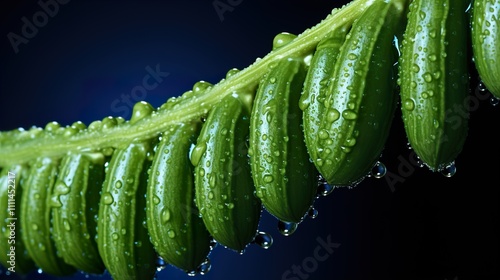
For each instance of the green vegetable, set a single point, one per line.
(434, 80)
(122, 235)
(485, 34)
(35, 217)
(285, 180)
(318, 79)
(360, 101)
(177, 232)
(76, 192)
(12, 180)
(223, 182)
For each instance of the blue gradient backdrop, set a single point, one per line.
(86, 59)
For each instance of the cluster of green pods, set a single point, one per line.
(314, 117)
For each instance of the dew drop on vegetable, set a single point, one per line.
(287, 228)
(156, 200)
(379, 170)
(268, 178)
(165, 215)
(66, 225)
(107, 198)
(263, 239)
(409, 105)
(449, 170)
(349, 115)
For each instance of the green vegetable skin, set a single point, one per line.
(224, 187)
(284, 178)
(434, 80)
(76, 193)
(177, 232)
(485, 31)
(360, 100)
(36, 203)
(11, 190)
(122, 236)
(316, 83)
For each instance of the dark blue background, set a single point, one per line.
(92, 52)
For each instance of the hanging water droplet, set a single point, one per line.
(494, 101)
(379, 170)
(449, 170)
(263, 239)
(161, 264)
(481, 87)
(324, 189)
(204, 267)
(312, 213)
(287, 228)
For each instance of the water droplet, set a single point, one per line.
(204, 267)
(118, 184)
(197, 153)
(378, 170)
(312, 213)
(349, 115)
(409, 104)
(287, 228)
(165, 215)
(263, 239)
(494, 101)
(107, 198)
(449, 170)
(268, 178)
(156, 200)
(66, 225)
(161, 264)
(115, 236)
(213, 243)
(171, 233)
(62, 188)
(324, 189)
(428, 77)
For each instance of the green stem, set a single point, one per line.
(19, 150)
